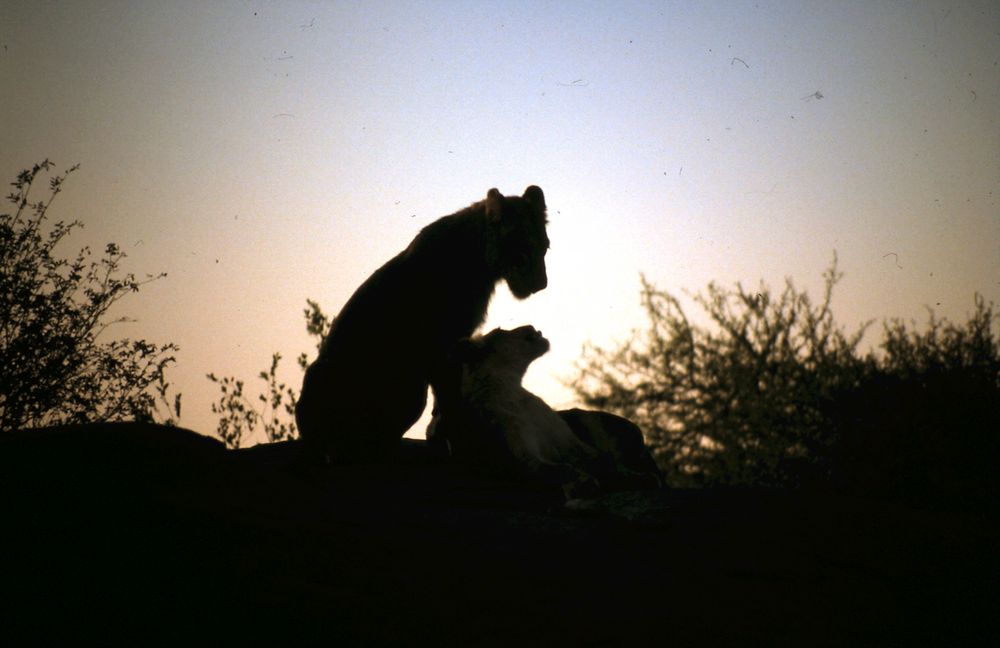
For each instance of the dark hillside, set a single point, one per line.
(147, 533)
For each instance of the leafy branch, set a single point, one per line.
(54, 311)
(240, 416)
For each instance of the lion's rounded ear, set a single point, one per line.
(494, 205)
(535, 196)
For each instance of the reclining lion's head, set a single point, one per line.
(502, 350)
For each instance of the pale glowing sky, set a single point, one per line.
(265, 153)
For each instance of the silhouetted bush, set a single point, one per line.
(772, 392)
(741, 401)
(923, 422)
(239, 416)
(53, 312)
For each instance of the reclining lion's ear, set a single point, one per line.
(535, 196)
(494, 206)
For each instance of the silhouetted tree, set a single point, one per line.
(53, 312)
(741, 401)
(773, 392)
(239, 416)
(923, 421)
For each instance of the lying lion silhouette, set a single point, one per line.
(369, 383)
(486, 416)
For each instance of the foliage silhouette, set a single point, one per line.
(774, 393)
(737, 403)
(54, 310)
(922, 422)
(239, 416)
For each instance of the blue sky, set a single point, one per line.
(266, 153)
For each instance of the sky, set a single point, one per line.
(263, 153)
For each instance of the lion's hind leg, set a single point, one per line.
(574, 482)
(624, 460)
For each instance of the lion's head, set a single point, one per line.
(506, 350)
(516, 239)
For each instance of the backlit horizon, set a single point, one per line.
(264, 154)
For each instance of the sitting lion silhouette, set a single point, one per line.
(369, 383)
(486, 416)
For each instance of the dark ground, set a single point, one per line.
(150, 534)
